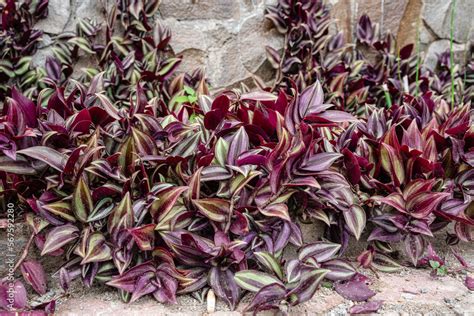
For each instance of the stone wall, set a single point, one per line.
(407, 19)
(228, 37)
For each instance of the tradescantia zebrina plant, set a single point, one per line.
(137, 178)
(372, 70)
(162, 201)
(409, 156)
(18, 42)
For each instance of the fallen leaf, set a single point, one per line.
(366, 308)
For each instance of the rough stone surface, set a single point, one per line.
(410, 23)
(407, 20)
(228, 37)
(201, 10)
(437, 15)
(436, 48)
(388, 14)
(59, 13)
(228, 40)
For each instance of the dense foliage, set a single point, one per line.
(140, 179)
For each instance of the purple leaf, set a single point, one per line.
(258, 96)
(95, 249)
(19, 298)
(469, 282)
(47, 155)
(59, 237)
(366, 308)
(225, 286)
(414, 247)
(27, 107)
(319, 162)
(216, 210)
(82, 201)
(311, 100)
(144, 236)
(121, 217)
(339, 270)
(269, 297)
(279, 210)
(64, 279)
(33, 273)
(337, 116)
(253, 280)
(238, 145)
(392, 163)
(320, 250)
(165, 201)
(19, 166)
(53, 68)
(354, 290)
(307, 285)
(166, 293)
(355, 220)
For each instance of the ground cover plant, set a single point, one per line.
(139, 178)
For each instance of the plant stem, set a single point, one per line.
(417, 74)
(388, 98)
(451, 61)
(25, 252)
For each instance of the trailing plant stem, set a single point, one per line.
(451, 61)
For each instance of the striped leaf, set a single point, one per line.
(121, 217)
(216, 210)
(61, 209)
(82, 204)
(339, 270)
(97, 249)
(320, 250)
(269, 262)
(166, 199)
(59, 237)
(253, 280)
(355, 220)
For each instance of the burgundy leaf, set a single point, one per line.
(414, 247)
(47, 155)
(354, 290)
(307, 286)
(269, 297)
(238, 145)
(33, 273)
(26, 106)
(469, 282)
(320, 250)
(59, 237)
(366, 308)
(224, 285)
(319, 162)
(19, 300)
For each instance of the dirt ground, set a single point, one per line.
(407, 292)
